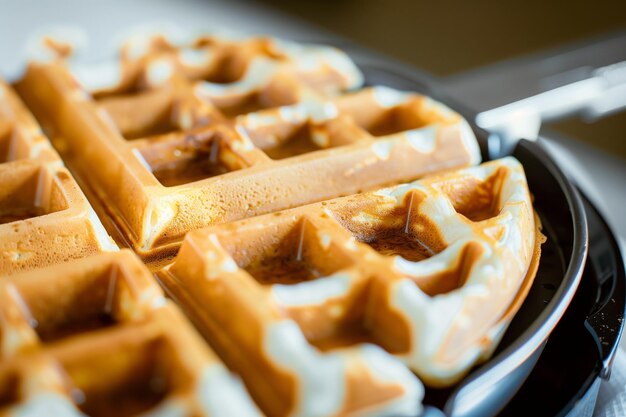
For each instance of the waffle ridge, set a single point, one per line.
(44, 216)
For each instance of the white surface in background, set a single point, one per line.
(106, 22)
(612, 395)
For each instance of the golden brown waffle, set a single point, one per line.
(172, 138)
(96, 336)
(298, 301)
(44, 216)
(337, 308)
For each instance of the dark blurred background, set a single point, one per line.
(450, 37)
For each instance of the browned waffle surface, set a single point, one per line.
(172, 138)
(259, 156)
(298, 302)
(44, 216)
(96, 337)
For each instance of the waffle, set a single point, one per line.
(170, 138)
(96, 336)
(248, 174)
(431, 271)
(44, 216)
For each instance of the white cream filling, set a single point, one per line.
(294, 114)
(171, 407)
(389, 97)
(382, 149)
(313, 292)
(325, 239)
(320, 112)
(321, 378)
(432, 316)
(440, 262)
(159, 71)
(259, 119)
(310, 58)
(46, 404)
(308, 110)
(259, 72)
(101, 76)
(423, 140)
(195, 57)
(223, 395)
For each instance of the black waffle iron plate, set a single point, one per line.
(563, 338)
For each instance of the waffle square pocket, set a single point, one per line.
(96, 336)
(44, 216)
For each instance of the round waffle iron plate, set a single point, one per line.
(581, 328)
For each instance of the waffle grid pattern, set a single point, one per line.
(246, 174)
(96, 336)
(215, 131)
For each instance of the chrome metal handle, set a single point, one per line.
(514, 98)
